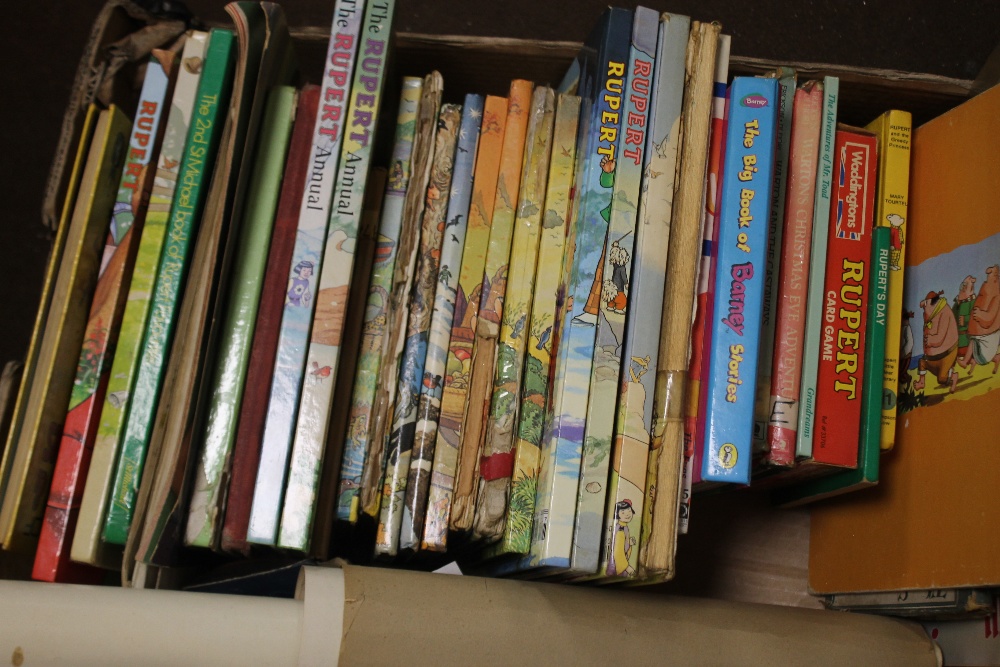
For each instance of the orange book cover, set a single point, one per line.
(931, 521)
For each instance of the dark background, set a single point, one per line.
(42, 41)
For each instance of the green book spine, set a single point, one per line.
(817, 270)
(196, 167)
(869, 443)
(241, 315)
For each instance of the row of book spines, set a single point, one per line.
(138, 186)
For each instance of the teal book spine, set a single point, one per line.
(196, 168)
(306, 265)
(870, 439)
(205, 512)
(323, 354)
(817, 271)
(377, 305)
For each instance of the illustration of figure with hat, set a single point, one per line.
(621, 541)
(940, 342)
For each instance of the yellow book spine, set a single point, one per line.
(893, 130)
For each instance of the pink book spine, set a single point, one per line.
(786, 369)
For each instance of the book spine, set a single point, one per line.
(419, 476)
(634, 418)
(250, 425)
(796, 244)
(693, 415)
(373, 326)
(125, 366)
(62, 340)
(196, 168)
(11, 436)
(103, 325)
(491, 301)
(335, 279)
(500, 461)
(611, 288)
(817, 270)
(397, 314)
(307, 260)
(842, 356)
(207, 497)
(535, 386)
(421, 307)
(775, 232)
(451, 421)
(893, 129)
(746, 187)
(869, 452)
(602, 64)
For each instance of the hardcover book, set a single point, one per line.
(306, 266)
(597, 77)
(817, 270)
(739, 275)
(130, 210)
(866, 474)
(928, 524)
(491, 307)
(322, 359)
(458, 367)
(196, 167)
(634, 416)
(125, 366)
(207, 504)
(421, 307)
(32, 455)
(377, 307)
(397, 315)
(694, 421)
(456, 223)
(842, 356)
(609, 293)
(893, 131)
(659, 530)
(775, 234)
(250, 425)
(500, 461)
(793, 282)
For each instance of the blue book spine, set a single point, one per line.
(739, 278)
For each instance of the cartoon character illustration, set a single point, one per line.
(905, 351)
(397, 179)
(940, 342)
(299, 294)
(320, 373)
(444, 275)
(599, 288)
(984, 325)
(518, 327)
(622, 542)
(896, 240)
(963, 313)
(543, 340)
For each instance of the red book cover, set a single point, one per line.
(246, 450)
(786, 367)
(841, 361)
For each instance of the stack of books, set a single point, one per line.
(522, 331)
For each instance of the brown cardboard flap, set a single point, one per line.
(392, 615)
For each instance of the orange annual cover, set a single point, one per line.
(932, 520)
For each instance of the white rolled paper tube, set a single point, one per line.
(62, 624)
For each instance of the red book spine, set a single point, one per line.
(264, 349)
(786, 366)
(841, 362)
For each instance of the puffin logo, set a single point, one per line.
(728, 455)
(754, 101)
